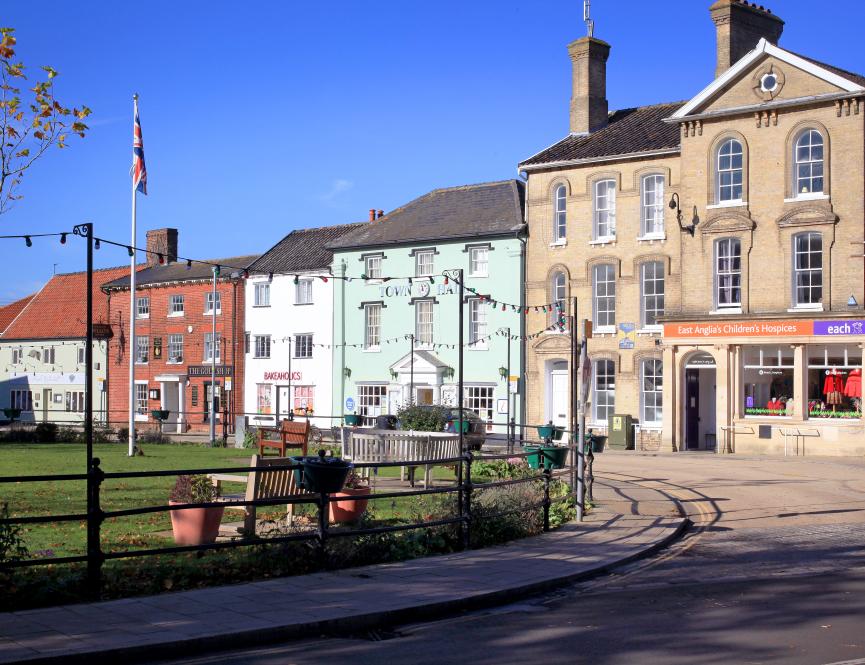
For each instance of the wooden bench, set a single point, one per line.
(290, 433)
(373, 446)
(262, 485)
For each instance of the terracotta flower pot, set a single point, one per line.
(195, 526)
(348, 511)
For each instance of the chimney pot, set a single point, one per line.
(372, 214)
(589, 109)
(380, 214)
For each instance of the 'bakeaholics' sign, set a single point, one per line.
(843, 328)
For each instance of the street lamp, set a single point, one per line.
(674, 205)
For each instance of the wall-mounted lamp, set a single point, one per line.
(346, 372)
(448, 372)
(394, 374)
(503, 372)
(674, 205)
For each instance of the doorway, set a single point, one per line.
(171, 402)
(208, 394)
(283, 402)
(47, 403)
(700, 393)
(558, 393)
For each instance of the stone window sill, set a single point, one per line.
(728, 204)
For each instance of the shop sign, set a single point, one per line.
(839, 328)
(415, 290)
(282, 376)
(206, 370)
(627, 335)
(739, 329)
(45, 378)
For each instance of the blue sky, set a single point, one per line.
(259, 118)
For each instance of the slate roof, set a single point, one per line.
(468, 211)
(302, 249)
(178, 272)
(629, 131)
(59, 310)
(10, 311)
(858, 79)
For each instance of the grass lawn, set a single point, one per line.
(138, 531)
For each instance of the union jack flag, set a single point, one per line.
(139, 171)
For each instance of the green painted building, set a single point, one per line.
(395, 298)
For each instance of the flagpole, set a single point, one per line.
(132, 348)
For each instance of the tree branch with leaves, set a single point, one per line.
(28, 127)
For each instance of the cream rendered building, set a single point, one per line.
(738, 326)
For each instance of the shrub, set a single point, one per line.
(12, 547)
(250, 439)
(69, 435)
(46, 432)
(122, 434)
(148, 437)
(197, 488)
(423, 418)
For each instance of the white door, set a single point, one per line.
(394, 401)
(559, 389)
(283, 401)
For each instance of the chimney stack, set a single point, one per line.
(372, 214)
(161, 241)
(379, 214)
(589, 109)
(739, 25)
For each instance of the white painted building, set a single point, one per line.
(289, 329)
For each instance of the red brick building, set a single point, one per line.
(174, 315)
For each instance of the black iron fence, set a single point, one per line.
(464, 488)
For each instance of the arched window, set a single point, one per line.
(729, 169)
(653, 205)
(559, 293)
(808, 158)
(604, 397)
(808, 270)
(560, 218)
(604, 226)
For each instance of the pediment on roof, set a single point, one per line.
(768, 76)
(808, 214)
(552, 343)
(727, 221)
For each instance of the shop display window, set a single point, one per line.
(768, 380)
(834, 381)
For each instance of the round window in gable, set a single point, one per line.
(769, 82)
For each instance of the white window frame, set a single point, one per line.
(17, 355)
(480, 399)
(424, 263)
(175, 349)
(651, 294)
(372, 266)
(479, 261)
(75, 401)
(261, 294)
(478, 324)
(372, 326)
(303, 292)
(371, 401)
(264, 399)
(302, 347)
(262, 346)
(651, 391)
(142, 307)
(21, 399)
(727, 277)
(49, 356)
(604, 315)
(804, 160)
(141, 400)
(725, 160)
(560, 215)
(302, 403)
(82, 355)
(604, 211)
(142, 349)
(424, 328)
(814, 276)
(208, 303)
(176, 305)
(208, 342)
(603, 398)
(652, 206)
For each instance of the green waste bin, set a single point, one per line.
(620, 432)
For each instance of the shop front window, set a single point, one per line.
(834, 381)
(768, 380)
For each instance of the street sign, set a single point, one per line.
(349, 404)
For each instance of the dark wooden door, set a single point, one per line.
(692, 409)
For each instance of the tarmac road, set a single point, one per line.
(772, 572)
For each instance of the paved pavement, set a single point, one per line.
(772, 572)
(632, 522)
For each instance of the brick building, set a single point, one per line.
(173, 343)
(738, 323)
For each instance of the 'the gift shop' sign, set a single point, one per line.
(696, 330)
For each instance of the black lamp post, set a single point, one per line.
(674, 205)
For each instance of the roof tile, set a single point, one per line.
(303, 249)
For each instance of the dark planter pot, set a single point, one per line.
(325, 474)
(12, 414)
(352, 420)
(597, 443)
(160, 414)
(195, 526)
(558, 433)
(554, 457)
(466, 426)
(345, 512)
